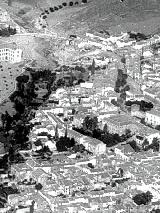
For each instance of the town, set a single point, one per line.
(82, 135)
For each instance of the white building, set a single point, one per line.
(4, 16)
(153, 117)
(10, 52)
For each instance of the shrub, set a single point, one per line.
(70, 3)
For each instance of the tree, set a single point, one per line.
(120, 172)
(123, 59)
(90, 124)
(155, 144)
(22, 78)
(51, 9)
(55, 8)
(38, 186)
(145, 144)
(105, 129)
(90, 165)
(64, 4)
(157, 127)
(93, 67)
(70, 3)
(128, 133)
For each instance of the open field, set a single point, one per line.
(8, 74)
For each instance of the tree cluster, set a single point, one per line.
(144, 106)
(16, 128)
(58, 7)
(143, 198)
(64, 143)
(121, 84)
(6, 32)
(138, 36)
(155, 211)
(90, 124)
(154, 145)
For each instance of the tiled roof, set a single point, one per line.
(8, 45)
(154, 112)
(120, 120)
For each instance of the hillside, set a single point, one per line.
(137, 15)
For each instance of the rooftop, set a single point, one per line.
(154, 112)
(120, 120)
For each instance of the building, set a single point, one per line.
(135, 111)
(93, 145)
(144, 132)
(4, 16)
(153, 117)
(10, 52)
(118, 124)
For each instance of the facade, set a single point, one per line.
(10, 52)
(4, 16)
(119, 123)
(153, 117)
(93, 145)
(144, 132)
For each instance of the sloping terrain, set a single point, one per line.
(113, 15)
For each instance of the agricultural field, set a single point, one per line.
(8, 74)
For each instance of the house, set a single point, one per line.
(40, 175)
(153, 117)
(150, 93)
(134, 96)
(144, 132)
(4, 16)
(112, 95)
(21, 171)
(126, 149)
(119, 123)
(66, 186)
(135, 111)
(93, 145)
(60, 92)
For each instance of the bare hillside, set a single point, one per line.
(113, 15)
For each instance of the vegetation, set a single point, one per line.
(121, 84)
(138, 36)
(143, 198)
(64, 143)
(154, 145)
(90, 128)
(155, 211)
(71, 3)
(64, 4)
(6, 32)
(38, 186)
(144, 106)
